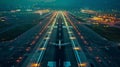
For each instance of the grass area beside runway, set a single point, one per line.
(12, 33)
(3, 25)
(20, 23)
(110, 33)
(11, 19)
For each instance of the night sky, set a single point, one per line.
(62, 3)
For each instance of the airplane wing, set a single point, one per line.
(63, 44)
(53, 43)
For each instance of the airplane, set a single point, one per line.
(59, 44)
